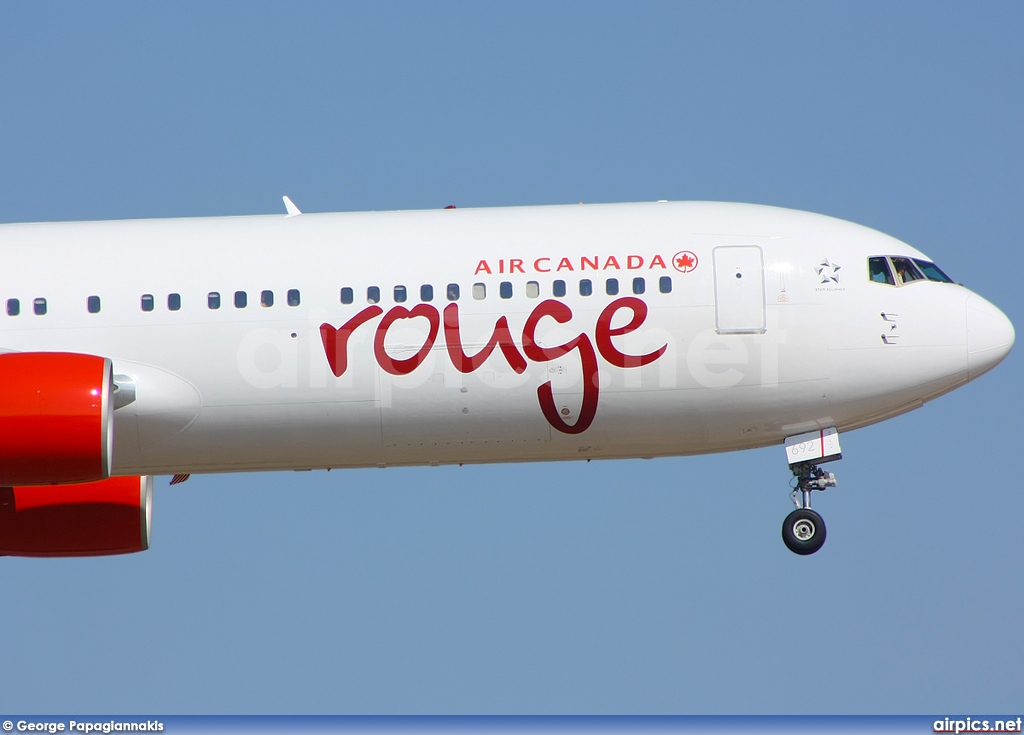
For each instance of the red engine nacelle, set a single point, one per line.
(56, 422)
(111, 516)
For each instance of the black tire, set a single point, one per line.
(803, 531)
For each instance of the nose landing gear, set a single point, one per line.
(803, 531)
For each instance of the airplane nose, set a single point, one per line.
(990, 336)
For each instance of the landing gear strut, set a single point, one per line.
(803, 531)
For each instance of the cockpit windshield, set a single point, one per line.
(932, 272)
(906, 271)
(897, 270)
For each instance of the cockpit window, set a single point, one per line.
(896, 270)
(906, 271)
(879, 272)
(932, 271)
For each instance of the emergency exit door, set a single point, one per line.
(739, 289)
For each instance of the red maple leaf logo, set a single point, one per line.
(684, 261)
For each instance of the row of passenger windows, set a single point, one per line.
(148, 302)
(240, 299)
(213, 300)
(505, 290)
(14, 307)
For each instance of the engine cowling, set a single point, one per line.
(111, 516)
(56, 418)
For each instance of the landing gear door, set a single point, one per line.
(739, 290)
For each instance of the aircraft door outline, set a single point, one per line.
(739, 289)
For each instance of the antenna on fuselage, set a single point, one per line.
(289, 205)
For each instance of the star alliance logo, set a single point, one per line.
(829, 272)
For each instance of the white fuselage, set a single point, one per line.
(769, 325)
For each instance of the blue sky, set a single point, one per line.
(616, 587)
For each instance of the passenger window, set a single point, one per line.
(293, 297)
(347, 296)
(93, 304)
(13, 307)
(266, 299)
(400, 294)
(906, 271)
(611, 286)
(532, 289)
(505, 290)
(453, 292)
(479, 291)
(173, 301)
(241, 300)
(213, 299)
(665, 284)
(373, 295)
(147, 302)
(39, 307)
(426, 292)
(878, 271)
(558, 288)
(586, 287)
(639, 286)
(932, 271)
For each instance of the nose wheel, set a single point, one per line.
(803, 531)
